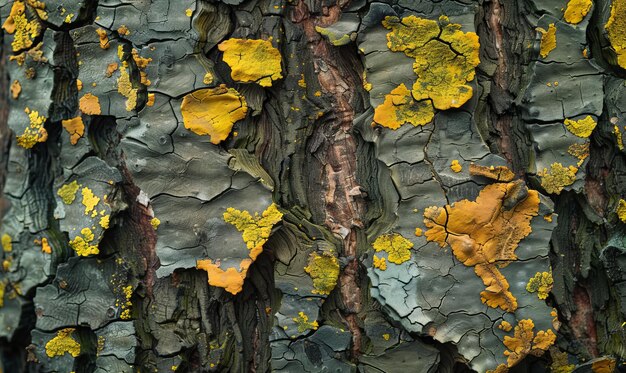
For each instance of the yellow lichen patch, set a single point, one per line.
(456, 166)
(75, 127)
(89, 104)
(255, 229)
(213, 111)
(541, 284)
(188, 12)
(618, 137)
(581, 128)
(324, 270)
(141, 63)
(104, 221)
(615, 27)
(399, 108)
(418, 232)
(155, 222)
(580, 151)
(303, 324)
(505, 325)
(379, 263)
(45, 246)
(125, 87)
(557, 178)
(79, 84)
(230, 279)
(127, 293)
(252, 60)
(577, 10)
(81, 244)
(525, 342)
(68, 192)
(63, 343)
(445, 58)
(603, 365)
(150, 101)
(498, 173)
(16, 89)
(35, 132)
(208, 78)
(23, 30)
(484, 233)
(123, 30)
(396, 247)
(621, 210)
(90, 200)
(548, 40)
(7, 245)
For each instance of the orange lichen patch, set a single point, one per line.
(35, 132)
(498, 173)
(23, 30)
(525, 342)
(324, 270)
(303, 324)
(577, 10)
(399, 108)
(548, 40)
(255, 229)
(79, 84)
(379, 263)
(213, 111)
(418, 232)
(230, 279)
(111, 68)
(580, 151)
(141, 63)
(150, 101)
(603, 365)
(485, 233)
(252, 60)
(45, 246)
(16, 89)
(557, 178)
(621, 210)
(581, 128)
(541, 284)
(396, 247)
(615, 27)
(445, 58)
(505, 325)
(89, 104)
(63, 343)
(75, 127)
(123, 30)
(125, 87)
(35, 54)
(456, 166)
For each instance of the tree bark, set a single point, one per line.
(303, 186)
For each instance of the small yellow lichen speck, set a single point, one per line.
(577, 10)
(150, 100)
(75, 128)
(456, 166)
(379, 263)
(615, 27)
(104, 39)
(16, 89)
(386, 336)
(557, 178)
(213, 111)
(621, 210)
(541, 284)
(208, 78)
(35, 132)
(255, 229)
(68, 192)
(63, 343)
(302, 321)
(90, 200)
(188, 12)
(7, 245)
(155, 222)
(418, 232)
(324, 270)
(618, 137)
(45, 246)
(548, 40)
(396, 247)
(252, 60)
(581, 128)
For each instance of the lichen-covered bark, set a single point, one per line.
(256, 185)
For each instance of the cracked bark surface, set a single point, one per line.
(169, 208)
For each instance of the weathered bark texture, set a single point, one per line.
(312, 185)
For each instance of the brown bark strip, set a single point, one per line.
(342, 202)
(582, 323)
